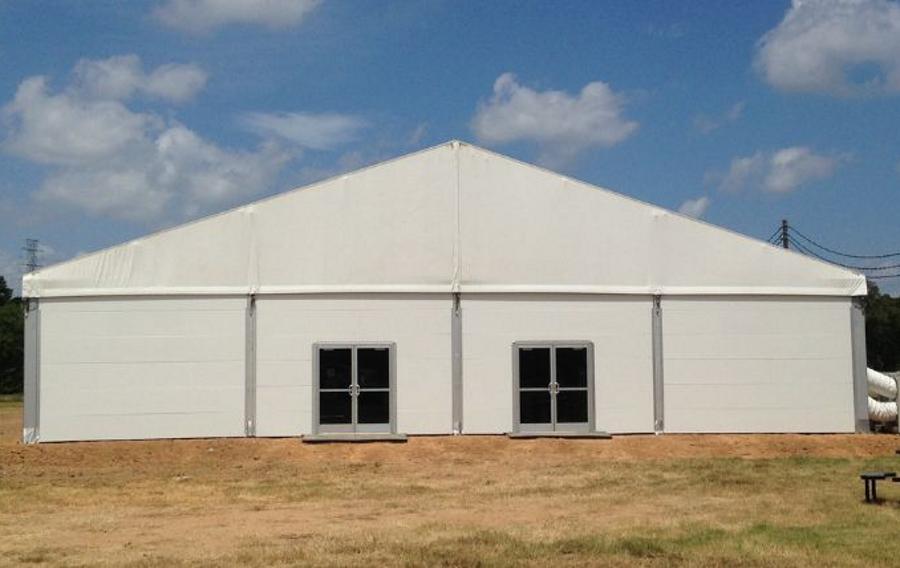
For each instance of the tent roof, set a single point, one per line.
(453, 218)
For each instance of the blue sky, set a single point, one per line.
(120, 118)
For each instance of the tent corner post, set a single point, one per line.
(456, 371)
(250, 367)
(858, 356)
(31, 426)
(658, 384)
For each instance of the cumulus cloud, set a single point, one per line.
(792, 167)
(180, 172)
(836, 47)
(781, 171)
(695, 207)
(110, 160)
(562, 125)
(122, 76)
(313, 131)
(202, 16)
(67, 129)
(706, 124)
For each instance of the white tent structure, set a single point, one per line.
(453, 290)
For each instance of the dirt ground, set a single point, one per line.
(643, 500)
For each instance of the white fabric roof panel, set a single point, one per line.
(450, 218)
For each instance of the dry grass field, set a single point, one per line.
(472, 501)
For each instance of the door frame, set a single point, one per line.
(354, 426)
(553, 345)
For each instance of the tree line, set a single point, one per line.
(12, 340)
(882, 335)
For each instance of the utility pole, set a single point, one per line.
(784, 234)
(31, 248)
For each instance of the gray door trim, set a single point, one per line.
(457, 362)
(250, 368)
(553, 426)
(31, 423)
(860, 381)
(354, 426)
(658, 376)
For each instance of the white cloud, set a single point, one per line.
(66, 129)
(707, 124)
(88, 120)
(561, 124)
(695, 207)
(313, 131)
(180, 171)
(792, 167)
(201, 16)
(837, 47)
(122, 76)
(112, 161)
(741, 171)
(781, 171)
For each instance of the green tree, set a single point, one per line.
(6, 293)
(882, 330)
(12, 344)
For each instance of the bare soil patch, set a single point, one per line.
(647, 500)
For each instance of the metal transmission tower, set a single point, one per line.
(32, 249)
(785, 238)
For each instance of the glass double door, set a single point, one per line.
(554, 386)
(354, 388)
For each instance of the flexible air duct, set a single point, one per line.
(881, 384)
(882, 411)
(886, 387)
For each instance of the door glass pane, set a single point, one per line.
(334, 368)
(335, 408)
(571, 366)
(373, 407)
(534, 367)
(534, 407)
(373, 368)
(572, 406)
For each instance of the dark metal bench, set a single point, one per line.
(871, 478)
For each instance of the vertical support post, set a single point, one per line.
(250, 368)
(858, 349)
(658, 384)
(785, 242)
(31, 430)
(456, 354)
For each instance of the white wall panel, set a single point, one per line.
(619, 328)
(289, 326)
(142, 368)
(757, 365)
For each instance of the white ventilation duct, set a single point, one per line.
(882, 411)
(881, 384)
(886, 387)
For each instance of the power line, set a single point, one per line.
(32, 248)
(850, 266)
(838, 253)
(808, 252)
